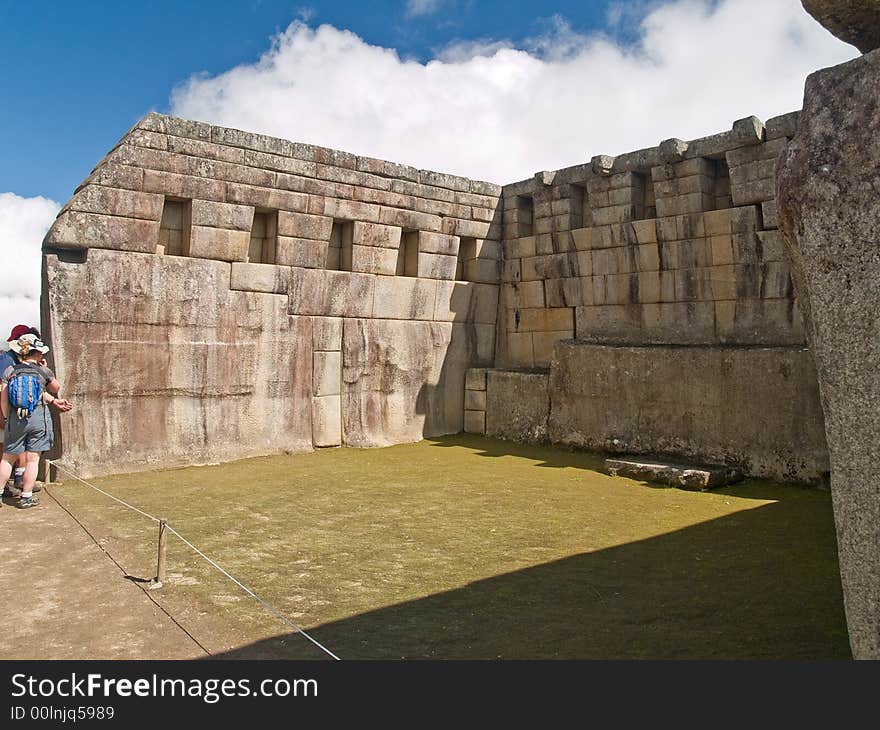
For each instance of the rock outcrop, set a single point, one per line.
(853, 21)
(829, 210)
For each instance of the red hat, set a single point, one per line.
(18, 331)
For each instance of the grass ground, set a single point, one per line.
(466, 547)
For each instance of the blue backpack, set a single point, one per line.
(25, 390)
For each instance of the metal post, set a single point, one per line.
(160, 560)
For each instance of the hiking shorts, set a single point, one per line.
(28, 434)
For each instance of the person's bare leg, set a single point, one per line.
(6, 466)
(18, 472)
(30, 473)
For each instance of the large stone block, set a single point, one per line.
(438, 243)
(437, 266)
(374, 260)
(375, 234)
(302, 225)
(184, 186)
(404, 297)
(402, 380)
(302, 252)
(410, 219)
(117, 202)
(757, 408)
(327, 373)
(475, 422)
(517, 405)
(829, 212)
(327, 333)
(466, 302)
(267, 198)
(487, 271)
(222, 215)
(475, 379)
(331, 293)
(222, 244)
(327, 421)
(74, 229)
(260, 277)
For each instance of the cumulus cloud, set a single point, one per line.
(500, 111)
(23, 224)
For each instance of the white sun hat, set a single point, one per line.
(24, 344)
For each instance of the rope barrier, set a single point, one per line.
(268, 606)
(106, 494)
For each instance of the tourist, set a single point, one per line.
(28, 433)
(7, 358)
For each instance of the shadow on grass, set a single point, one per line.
(555, 456)
(560, 457)
(761, 583)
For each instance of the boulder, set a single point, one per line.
(829, 212)
(854, 21)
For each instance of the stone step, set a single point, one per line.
(699, 477)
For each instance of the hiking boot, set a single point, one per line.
(27, 502)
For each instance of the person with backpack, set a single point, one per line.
(7, 358)
(30, 389)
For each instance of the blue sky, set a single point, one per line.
(79, 74)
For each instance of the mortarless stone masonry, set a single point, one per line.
(257, 295)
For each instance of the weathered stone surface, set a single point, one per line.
(475, 379)
(327, 333)
(113, 201)
(753, 407)
(301, 225)
(167, 366)
(260, 277)
(303, 252)
(853, 21)
(402, 380)
(437, 266)
(374, 260)
(829, 212)
(327, 421)
(222, 244)
(222, 215)
(331, 293)
(375, 234)
(404, 297)
(686, 476)
(475, 422)
(517, 405)
(74, 229)
(438, 243)
(327, 373)
(474, 400)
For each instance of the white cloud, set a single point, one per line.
(422, 7)
(491, 111)
(23, 224)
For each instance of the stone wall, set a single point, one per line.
(647, 306)
(213, 294)
(256, 295)
(676, 244)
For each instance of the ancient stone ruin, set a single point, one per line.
(213, 294)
